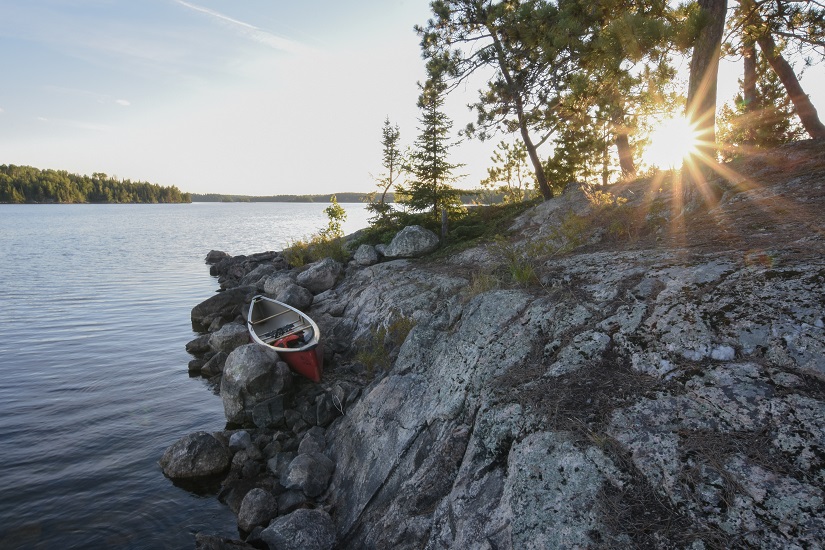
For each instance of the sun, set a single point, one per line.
(671, 142)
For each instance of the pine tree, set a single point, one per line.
(766, 119)
(429, 166)
(704, 69)
(509, 176)
(391, 160)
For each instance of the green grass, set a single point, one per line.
(378, 350)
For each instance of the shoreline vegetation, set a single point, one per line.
(29, 185)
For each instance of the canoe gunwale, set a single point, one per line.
(307, 322)
(306, 360)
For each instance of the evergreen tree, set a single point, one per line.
(391, 161)
(801, 24)
(509, 175)
(704, 69)
(500, 37)
(573, 74)
(430, 169)
(765, 119)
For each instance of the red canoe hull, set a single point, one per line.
(308, 363)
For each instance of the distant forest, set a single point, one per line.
(467, 197)
(25, 184)
(340, 197)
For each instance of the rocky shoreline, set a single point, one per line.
(661, 386)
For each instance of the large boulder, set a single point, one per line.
(229, 337)
(225, 305)
(195, 456)
(252, 374)
(275, 284)
(215, 256)
(301, 530)
(320, 276)
(295, 296)
(411, 242)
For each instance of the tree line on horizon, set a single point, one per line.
(26, 184)
(576, 85)
(219, 197)
(465, 196)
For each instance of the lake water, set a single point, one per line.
(95, 305)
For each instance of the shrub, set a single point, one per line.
(327, 243)
(482, 282)
(312, 249)
(378, 350)
(519, 263)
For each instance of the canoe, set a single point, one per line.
(288, 331)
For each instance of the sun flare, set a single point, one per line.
(671, 142)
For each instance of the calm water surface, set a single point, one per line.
(94, 317)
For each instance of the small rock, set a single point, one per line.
(301, 530)
(269, 414)
(292, 500)
(313, 441)
(195, 366)
(229, 337)
(366, 255)
(239, 441)
(214, 256)
(309, 472)
(199, 345)
(194, 456)
(275, 284)
(227, 305)
(279, 463)
(252, 375)
(215, 365)
(257, 508)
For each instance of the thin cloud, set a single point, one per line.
(259, 35)
(123, 102)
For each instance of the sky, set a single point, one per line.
(249, 97)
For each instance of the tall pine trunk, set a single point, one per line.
(704, 70)
(804, 108)
(749, 89)
(623, 146)
(515, 94)
(801, 102)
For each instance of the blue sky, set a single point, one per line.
(253, 97)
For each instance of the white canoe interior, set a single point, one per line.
(270, 321)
